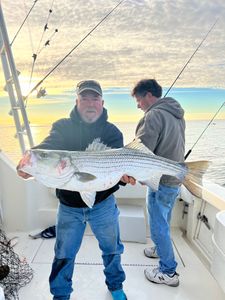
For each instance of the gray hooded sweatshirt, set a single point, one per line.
(162, 130)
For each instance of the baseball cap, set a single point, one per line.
(89, 85)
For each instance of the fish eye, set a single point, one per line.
(43, 155)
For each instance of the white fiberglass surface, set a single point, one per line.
(196, 282)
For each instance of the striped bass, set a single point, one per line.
(99, 168)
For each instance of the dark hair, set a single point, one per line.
(147, 85)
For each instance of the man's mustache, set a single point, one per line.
(91, 110)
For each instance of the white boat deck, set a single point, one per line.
(196, 282)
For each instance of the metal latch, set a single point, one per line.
(204, 219)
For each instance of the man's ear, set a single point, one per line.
(149, 94)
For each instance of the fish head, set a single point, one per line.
(39, 161)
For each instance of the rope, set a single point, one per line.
(14, 272)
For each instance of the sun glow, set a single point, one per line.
(25, 85)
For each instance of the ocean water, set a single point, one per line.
(211, 146)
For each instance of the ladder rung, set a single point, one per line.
(9, 80)
(19, 132)
(13, 108)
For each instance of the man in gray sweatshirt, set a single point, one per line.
(162, 130)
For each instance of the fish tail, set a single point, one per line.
(193, 179)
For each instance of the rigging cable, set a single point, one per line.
(23, 21)
(29, 31)
(184, 67)
(30, 37)
(190, 150)
(59, 63)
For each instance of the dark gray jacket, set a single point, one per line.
(162, 130)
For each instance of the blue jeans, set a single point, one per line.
(160, 205)
(70, 227)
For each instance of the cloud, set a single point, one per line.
(139, 39)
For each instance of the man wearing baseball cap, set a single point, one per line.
(89, 85)
(87, 121)
(89, 100)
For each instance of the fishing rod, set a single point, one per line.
(39, 49)
(184, 67)
(23, 21)
(77, 45)
(47, 43)
(45, 27)
(189, 151)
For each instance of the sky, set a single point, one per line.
(140, 39)
(120, 105)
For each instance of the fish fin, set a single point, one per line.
(193, 179)
(138, 145)
(88, 198)
(153, 183)
(84, 177)
(97, 145)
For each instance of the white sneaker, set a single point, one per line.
(154, 275)
(151, 252)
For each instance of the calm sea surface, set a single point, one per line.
(211, 146)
